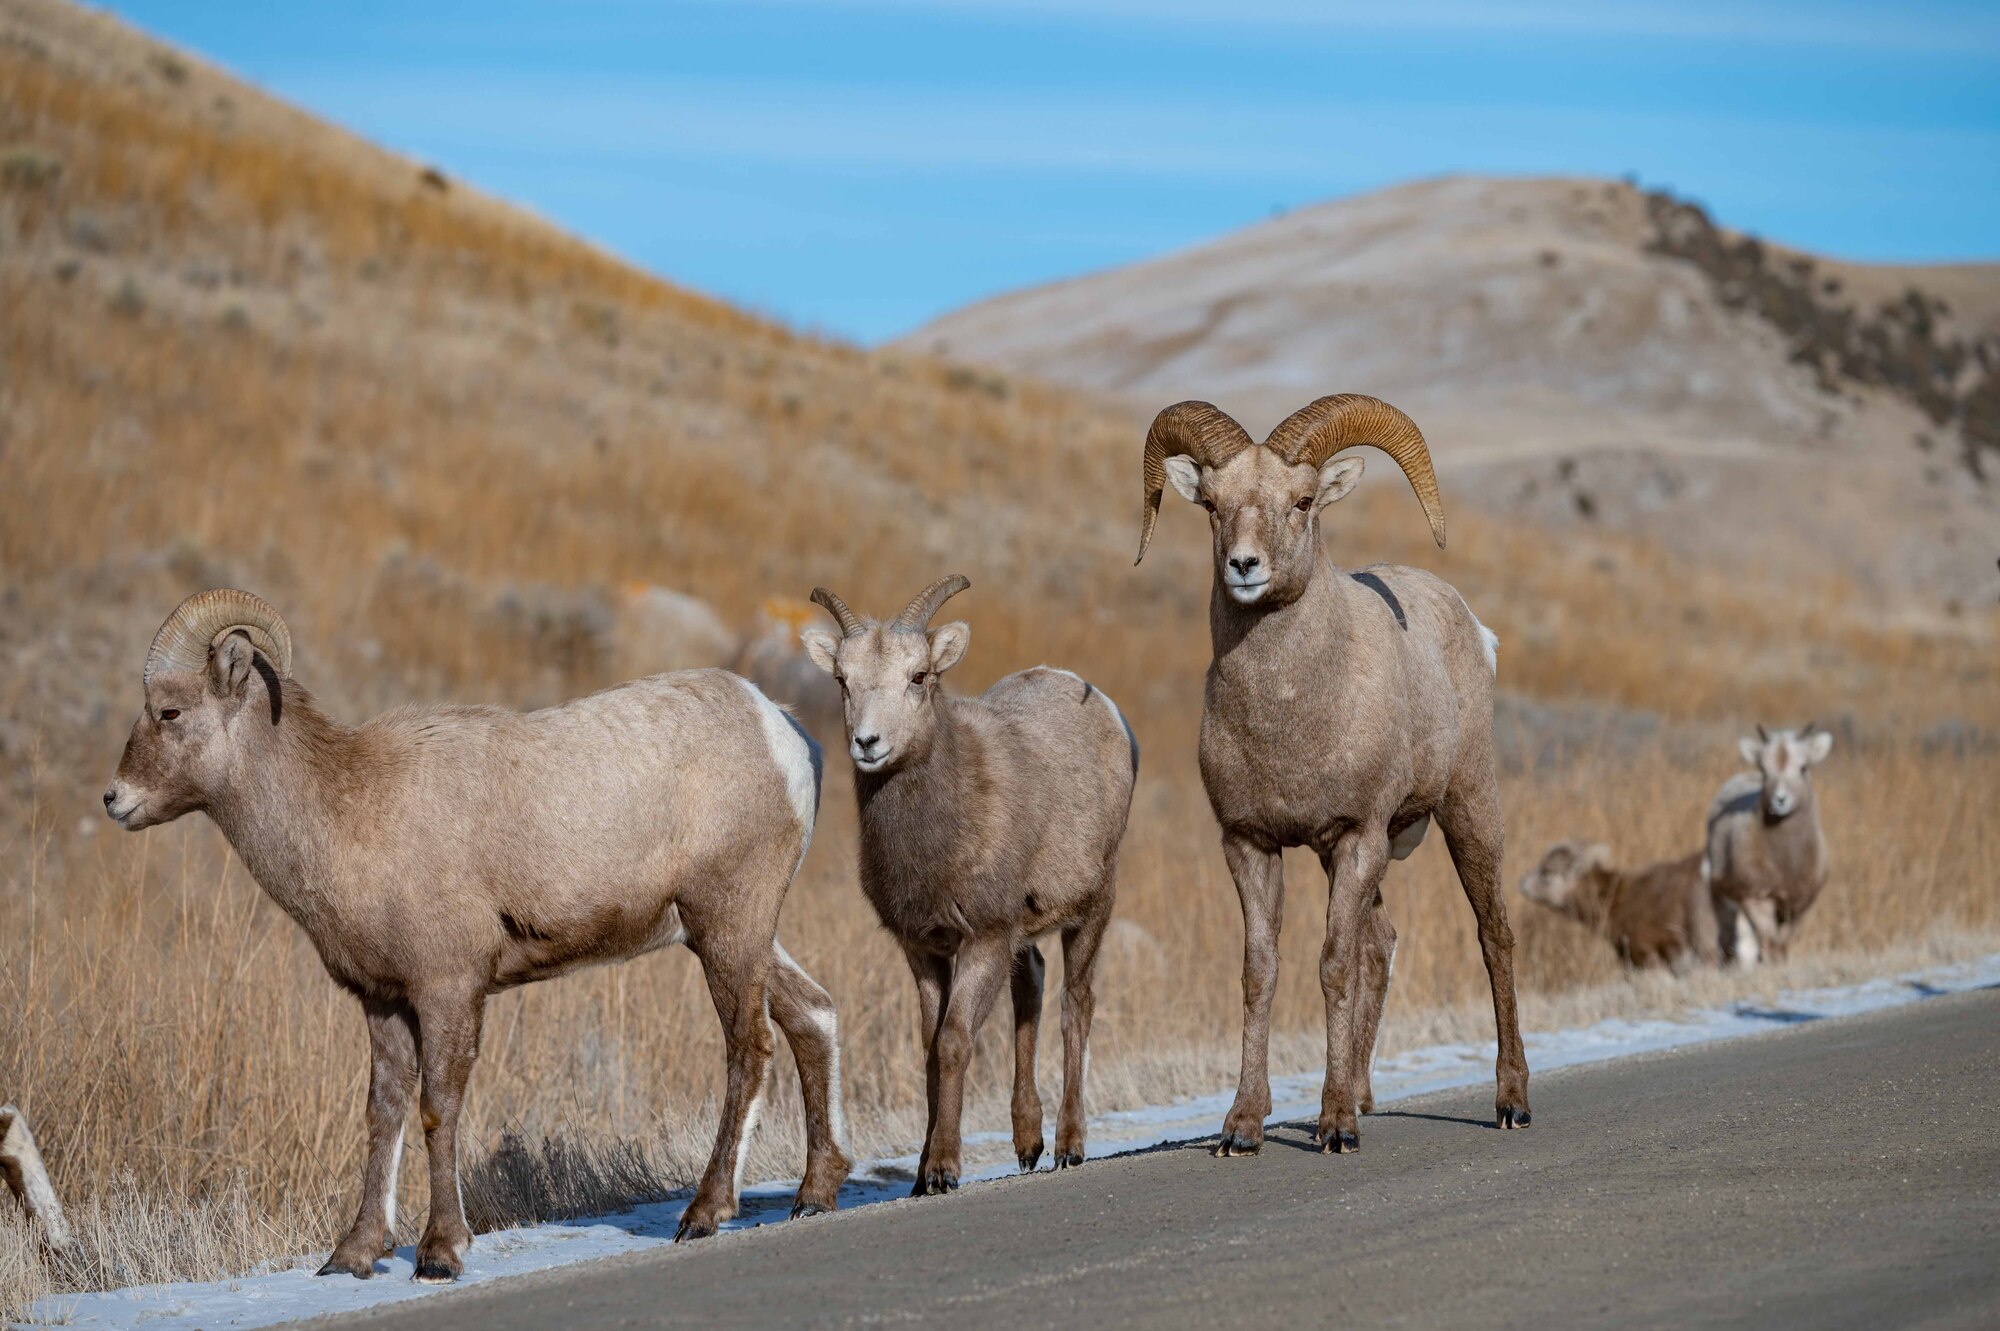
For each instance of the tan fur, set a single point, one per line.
(993, 820)
(1327, 724)
(437, 855)
(1767, 856)
(1658, 915)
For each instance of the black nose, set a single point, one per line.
(866, 742)
(108, 799)
(1245, 564)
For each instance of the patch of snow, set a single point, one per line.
(283, 1296)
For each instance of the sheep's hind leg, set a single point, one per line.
(1472, 829)
(805, 1014)
(392, 1084)
(1378, 961)
(736, 983)
(1356, 864)
(1029, 969)
(1080, 952)
(1260, 884)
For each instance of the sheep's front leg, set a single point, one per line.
(1260, 883)
(933, 976)
(448, 1036)
(983, 966)
(392, 1084)
(1029, 969)
(1358, 861)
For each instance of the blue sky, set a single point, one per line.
(857, 166)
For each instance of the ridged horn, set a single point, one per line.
(206, 618)
(918, 613)
(1315, 432)
(1200, 430)
(850, 623)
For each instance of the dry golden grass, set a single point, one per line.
(241, 347)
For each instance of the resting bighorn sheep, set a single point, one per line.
(985, 823)
(1658, 915)
(1767, 858)
(438, 855)
(1343, 711)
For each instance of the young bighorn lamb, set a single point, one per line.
(1343, 711)
(985, 823)
(1767, 858)
(1658, 915)
(438, 855)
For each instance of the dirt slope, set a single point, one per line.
(1580, 351)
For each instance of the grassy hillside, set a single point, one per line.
(242, 347)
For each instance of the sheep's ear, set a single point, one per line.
(1184, 474)
(1818, 745)
(1752, 751)
(821, 646)
(948, 644)
(229, 665)
(1337, 477)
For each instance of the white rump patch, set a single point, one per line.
(794, 759)
(1488, 639)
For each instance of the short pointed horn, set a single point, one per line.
(1314, 433)
(206, 618)
(1763, 735)
(918, 612)
(1200, 430)
(850, 623)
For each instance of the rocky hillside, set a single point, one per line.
(1583, 352)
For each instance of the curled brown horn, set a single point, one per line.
(206, 618)
(1315, 432)
(918, 612)
(850, 623)
(1200, 430)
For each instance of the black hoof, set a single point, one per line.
(1511, 1117)
(804, 1209)
(335, 1267)
(693, 1229)
(936, 1183)
(431, 1271)
(1069, 1161)
(1236, 1144)
(1340, 1143)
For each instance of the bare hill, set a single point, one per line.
(1581, 351)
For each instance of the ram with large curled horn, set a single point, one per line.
(986, 823)
(439, 855)
(1344, 711)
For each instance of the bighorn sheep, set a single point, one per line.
(1343, 711)
(1658, 915)
(985, 823)
(1767, 858)
(437, 855)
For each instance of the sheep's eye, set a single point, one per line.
(1209, 505)
(170, 713)
(1304, 505)
(919, 677)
